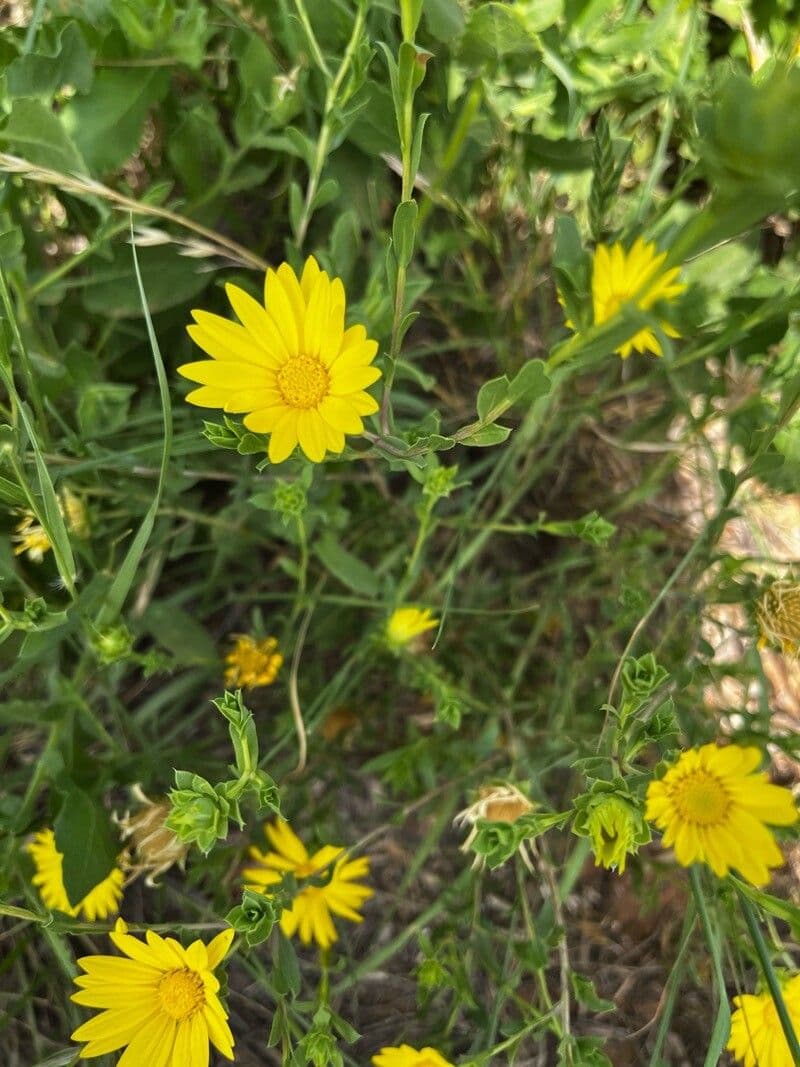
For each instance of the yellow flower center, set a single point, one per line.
(303, 382)
(701, 798)
(181, 994)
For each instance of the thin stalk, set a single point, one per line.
(750, 918)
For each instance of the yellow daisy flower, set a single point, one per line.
(252, 663)
(620, 277)
(714, 808)
(757, 1037)
(778, 616)
(291, 365)
(161, 1001)
(98, 903)
(406, 1056)
(328, 883)
(30, 538)
(407, 623)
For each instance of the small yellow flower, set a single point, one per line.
(620, 277)
(291, 365)
(99, 903)
(715, 808)
(407, 623)
(31, 539)
(328, 883)
(778, 616)
(252, 663)
(156, 848)
(161, 1001)
(406, 1056)
(757, 1037)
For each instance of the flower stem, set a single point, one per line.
(759, 944)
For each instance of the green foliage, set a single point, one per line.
(591, 535)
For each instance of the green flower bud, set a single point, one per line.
(112, 644)
(613, 822)
(200, 813)
(256, 916)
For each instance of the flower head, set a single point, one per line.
(161, 1001)
(406, 1056)
(156, 848)
(291, 365)
(328, 883)
(406, 624)
(614, 827)
(30, 538)
(715, 808)
(620, 277)
(98, 903)
(778, 616)
(757, 1037)
(502, 803)
(252, 663)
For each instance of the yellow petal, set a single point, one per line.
(282, 311)
(227, 375)
(225, 340)
(264, 420)
(311, 435)
(351, 381)
(258, 322)
(283, 439)
(219, 946)
(341, 415)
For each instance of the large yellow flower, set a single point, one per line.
(161, 1001)
(328, 883)
(406, 1056)
(98, 903)
(715, 808)
(620, 277)
(757, 1037)
(291, 365)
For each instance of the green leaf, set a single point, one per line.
(83, 834)
(346, 567)
(33, 131)
(491, 397)
(444, 19)
(180, 633)
(494, 31)
(127, 571)
(287, 970)
(110, 290)
(107, 125)
(410, 14)
(404, 229)
(484, 436)
(44, 74)
(561, 154)
(530, 383)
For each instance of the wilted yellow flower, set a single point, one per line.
(327, 879)
(252, 663)
(715, 808)
(495, 803)
(98, 903)
(406, 1056)
(31, 539)
(291, 365)
(757, 1037)
(407, 623)
(74, 511)
(156, 848)
(161, 1002)
(778, 616)
(620, 277)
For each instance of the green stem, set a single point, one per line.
(751, 919)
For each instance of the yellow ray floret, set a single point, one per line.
(160, 1001)
(716, 808)
(757, 1038)
(635, 277)
(291, 367)
(406, 1056)
(100, 902)
(328, 883)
